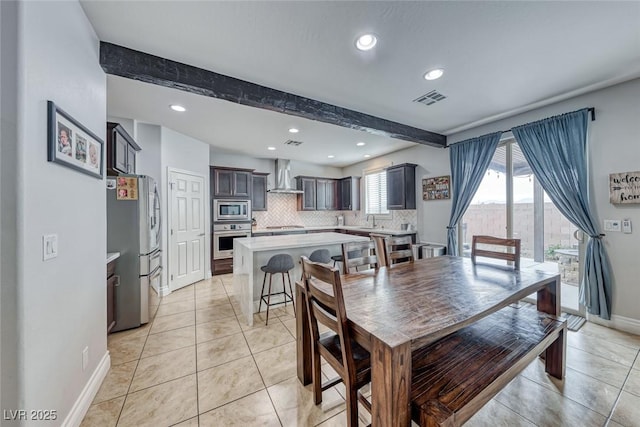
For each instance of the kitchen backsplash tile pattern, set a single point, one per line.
(283, 211)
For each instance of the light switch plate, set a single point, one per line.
(626, 226)
(49, 246)
(612, 225)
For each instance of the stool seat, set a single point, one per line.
(280, 263)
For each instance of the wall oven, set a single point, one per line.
(231, 210)
(223, 235)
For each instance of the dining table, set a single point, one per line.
(394, 311)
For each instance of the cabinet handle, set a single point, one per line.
(117, 280)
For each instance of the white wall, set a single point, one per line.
(183, 152)
(432, 216)
(149, 159)
(613, 147)
(61, 302)
(8, 209)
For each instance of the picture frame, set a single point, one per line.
(71, 144)
(624, 188)
(437, 188)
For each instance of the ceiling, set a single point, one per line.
(500, 58)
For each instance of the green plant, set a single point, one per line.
(550, 252)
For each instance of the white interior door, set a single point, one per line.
(187, 229)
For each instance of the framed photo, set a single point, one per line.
(71, 144)
(438, 188)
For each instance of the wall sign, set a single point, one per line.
(437, 188)
(624, 187)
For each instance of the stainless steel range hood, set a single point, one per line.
(284, 181)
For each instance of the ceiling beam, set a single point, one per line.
(132, 64)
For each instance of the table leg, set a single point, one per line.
(303, 337)
(555, 355)
(390, 385)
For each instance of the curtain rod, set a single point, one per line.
(592, 110)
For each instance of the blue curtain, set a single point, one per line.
(469, 161)
(556, 150)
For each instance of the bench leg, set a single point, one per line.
(555, 356)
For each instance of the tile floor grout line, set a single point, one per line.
(626, 379)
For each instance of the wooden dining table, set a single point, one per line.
(394, 311)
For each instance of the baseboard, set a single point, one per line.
(626, 324)
(80, 408)
(164, 291)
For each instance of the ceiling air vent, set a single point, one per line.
(430, 98)
(292, 142)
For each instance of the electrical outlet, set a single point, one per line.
(49, 246)
(85, 358)
(611, 225)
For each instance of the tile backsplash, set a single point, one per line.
(282, 210)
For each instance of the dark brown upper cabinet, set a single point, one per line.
(349, 194)
(234, 183)
(306, 200)
(401, 186)
(259, 191)
(326, 194)
(121, 150)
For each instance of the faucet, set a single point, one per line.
(374, 219)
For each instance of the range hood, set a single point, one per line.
(284, 181)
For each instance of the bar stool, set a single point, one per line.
(321, 255)
(339, 259)
(280, 263)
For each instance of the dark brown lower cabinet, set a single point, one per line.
(222, 266)
(112, 285)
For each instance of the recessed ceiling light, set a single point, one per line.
(331, 156)
(178, 108)
(360, 144)
(367, 155)
(366, 42)
(271, 148)
(436, 73)
(294, 130)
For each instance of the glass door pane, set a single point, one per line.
(524, 212)
(487, 214)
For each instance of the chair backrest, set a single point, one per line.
(325, 305)
(355, 254)
(380, 241)
(513, 256)
(320, 255)
(280, 263)
(398, 250)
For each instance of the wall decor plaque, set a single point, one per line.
(624, 187)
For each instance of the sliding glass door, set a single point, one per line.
(511, 203)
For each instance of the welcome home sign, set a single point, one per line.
(624, 187)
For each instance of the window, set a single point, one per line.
(375, 185)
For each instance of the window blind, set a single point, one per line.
(376, 192)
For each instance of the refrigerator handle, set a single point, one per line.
(158, 220)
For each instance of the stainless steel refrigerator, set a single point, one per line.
(133, 229)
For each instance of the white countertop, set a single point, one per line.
(112, 256)
(268, 243)
(376, 230)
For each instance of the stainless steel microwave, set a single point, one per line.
(231, 210)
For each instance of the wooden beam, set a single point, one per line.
(132, 64)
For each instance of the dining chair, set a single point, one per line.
(398, 250)
(380, 241)
(356, 254)
(325, 305)
(511, 253)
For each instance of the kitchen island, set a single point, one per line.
(250, 253)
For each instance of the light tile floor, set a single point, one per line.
(195, 364)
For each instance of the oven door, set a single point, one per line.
(223, 242)
(231, 210)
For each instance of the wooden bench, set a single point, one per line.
(455, 376)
